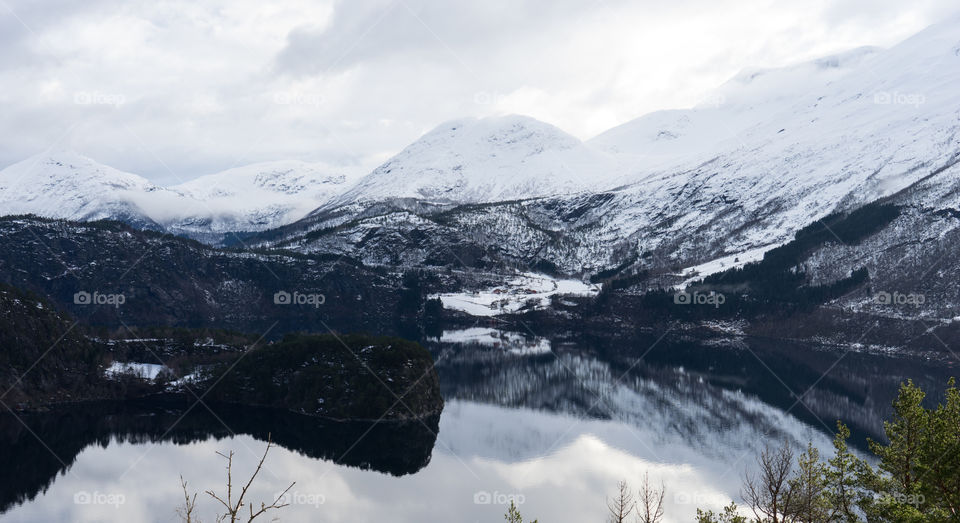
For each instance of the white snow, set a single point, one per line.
(782, 148)
(769, 152)
(261, 196)
(67, 185)
(188, 379)
(725, 263)
(488, 160)
(526, 290)
(148, 371)
(63, 184)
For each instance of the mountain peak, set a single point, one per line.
(515, 135)
(60, 183)
(59, 156)
(473, 160)
(64, 166)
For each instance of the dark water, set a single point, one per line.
(553, 427)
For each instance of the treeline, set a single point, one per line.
(916, 479)
(44, 356)
(778, 284)
(787, 260)
(333, 376)
(779, 279)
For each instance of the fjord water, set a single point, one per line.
(552, 426)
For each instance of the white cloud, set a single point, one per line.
(176, 89)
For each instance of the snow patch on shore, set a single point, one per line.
(148, 371)
(528, 290)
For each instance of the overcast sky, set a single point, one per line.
(171, 90)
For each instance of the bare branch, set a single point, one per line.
(233, 507)
(622, 505)
(769, 495)
(189, 504)
(650, 505)
(276, 504)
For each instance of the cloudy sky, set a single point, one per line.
(171, 89)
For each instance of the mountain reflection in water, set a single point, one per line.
(558, 423)
(46, 444)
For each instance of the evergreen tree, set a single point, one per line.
(899, 457)
(513, 514)
(843, 480)
(938, 463)
(729, 515)
(809, 486)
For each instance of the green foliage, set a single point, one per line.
(513, 514)
(809, 486)
(729, 515)
(922, 460)
(939, 463)
(917, 480)
(843, 480)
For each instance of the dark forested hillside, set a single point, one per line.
(165, 280)
(44, 356)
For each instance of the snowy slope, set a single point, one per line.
(487, 160)
(784, 148)
(259, 196)
(771, 152)
(674, 137)
(67, 185)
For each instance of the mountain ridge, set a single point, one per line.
(780, 149)
(63, 184)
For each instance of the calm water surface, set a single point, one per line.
(553, 427)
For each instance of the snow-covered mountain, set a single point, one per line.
(672, 137)
(783, 148)
(649, 205)
(487, 160)
(257, 197)
(67, 185)
(769, 153)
